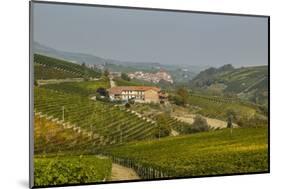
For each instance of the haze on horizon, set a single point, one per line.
(170, 38)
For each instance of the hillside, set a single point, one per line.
(210, 153)
(52, 68)
(248, 83)
(106, 123)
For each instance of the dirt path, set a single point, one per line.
(120, 172)
(174, 133)
(215, 123)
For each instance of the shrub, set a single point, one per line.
(127, 105)
(102, 91)
(199, 124)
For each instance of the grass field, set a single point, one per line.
(210, 153)
(60, 170)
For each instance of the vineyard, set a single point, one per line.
(59, 155)
(59, 170)
(53, 138)
(133, 82)
(78, 136)
(86, 88)
(106, 123)
(216, 107)
(42, 72)
(52, 68)
(210, 153)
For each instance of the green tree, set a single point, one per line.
(106, 73)
(199, 124)
(125, 77)
(163, 126)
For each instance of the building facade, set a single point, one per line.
(142, 94)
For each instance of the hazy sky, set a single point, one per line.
(154, 36)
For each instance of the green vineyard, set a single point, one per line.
(106, 123)
(43, 72)
(216, 107)
(59, 170)
(82, 136)
(86, 88)
(52, 68)
(209, 153)
(53, 138)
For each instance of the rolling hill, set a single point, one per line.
(248, 83)
(46, 67)
(209, 153)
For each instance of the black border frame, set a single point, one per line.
(31, 168)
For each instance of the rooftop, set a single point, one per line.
(119, 89)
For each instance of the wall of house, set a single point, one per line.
(151, 96)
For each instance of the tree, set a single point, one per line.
(229, 121)
(102, 91)
(178, 100)
(181, 97)
(163, 126)
(125, 77)
(199, 124)
(182, 92)
(106, 73)
(35, 82)
(231, 115)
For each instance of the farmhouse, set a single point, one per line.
(142, 94)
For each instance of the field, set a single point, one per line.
(80, 136)
(217, 107)
(86, 88)
(52, 137)
(42, 72)
(247, 83)
(52, 68)
(108, 124)
(60, 170)
(134, 82)
(216, 152)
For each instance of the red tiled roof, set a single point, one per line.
(119, 89)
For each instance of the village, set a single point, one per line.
(140, 94)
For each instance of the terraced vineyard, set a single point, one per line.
(218, 107)
(52, 68)
(86, 88)
(106, 123)
(43, 72)
(54, 137)
(154, 113)
(59, 170)
(209, 153)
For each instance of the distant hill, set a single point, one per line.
(46, 67)
(78, 58)
(250, 83)
(117, 65)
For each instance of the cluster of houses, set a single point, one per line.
(152, 77)
(141, 94)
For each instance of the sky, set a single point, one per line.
(172, 38)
